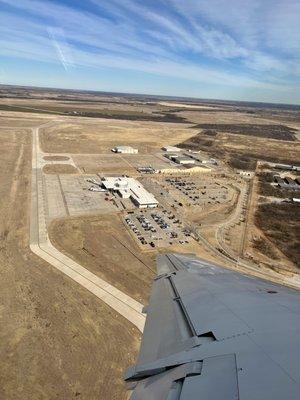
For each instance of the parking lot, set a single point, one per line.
(197, 193)
(193, 193)
(156, 228)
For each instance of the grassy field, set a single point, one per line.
(280, 223)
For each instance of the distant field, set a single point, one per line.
(242, 151)
(100, 136)
(89, 113)
(280, 132)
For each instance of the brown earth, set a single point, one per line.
(57, 341)
(56, 158)
(59, 169)
(280, 223)
(101, 135)
(103, 245)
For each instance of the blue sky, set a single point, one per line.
(226, 49)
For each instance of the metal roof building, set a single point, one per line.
(184, 160)
(287, 182)
(130, 188)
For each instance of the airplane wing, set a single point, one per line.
(215, 334)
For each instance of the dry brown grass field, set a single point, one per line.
(56, 339)
(104, 246)
(59, 169)
(101, 135)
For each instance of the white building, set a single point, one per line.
(171, 149)
(130, 188)
(184, 160)
(172, 156)
(124, 150)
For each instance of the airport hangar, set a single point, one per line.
(130, 188)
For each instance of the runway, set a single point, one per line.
(41, 246)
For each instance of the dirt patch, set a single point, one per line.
(59, 169)
(56, 158)
(103, 245)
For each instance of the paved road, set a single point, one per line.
(234, 218)
(41, 245)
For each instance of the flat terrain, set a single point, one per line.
(101, 136)
(243, 151)
(56, 339)
(280, 132)
(59, 169)
(104, 245)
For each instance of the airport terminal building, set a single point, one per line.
(130, 188)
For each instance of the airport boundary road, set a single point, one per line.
(40, 245)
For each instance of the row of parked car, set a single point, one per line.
(135, 230)
(160, 221)
(187, 188)
(146, 224)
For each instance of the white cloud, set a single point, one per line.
(196, 40)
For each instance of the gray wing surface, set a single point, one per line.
(215, 334)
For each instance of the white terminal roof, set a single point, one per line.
(136, 190)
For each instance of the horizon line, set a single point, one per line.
(152, 95)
